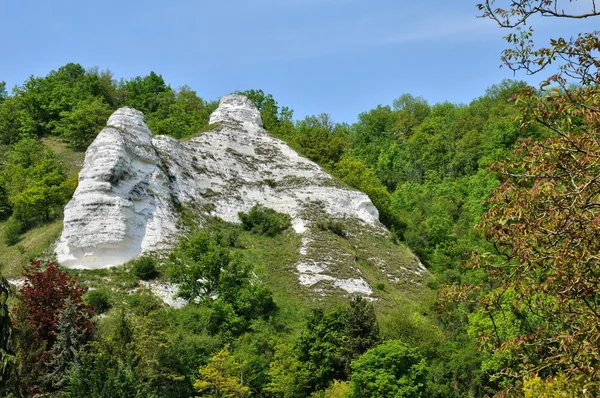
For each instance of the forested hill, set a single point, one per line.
(424, 166)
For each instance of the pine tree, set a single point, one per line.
(361, 327)
(70, 337)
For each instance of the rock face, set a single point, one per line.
(132, 183)
(122, 205)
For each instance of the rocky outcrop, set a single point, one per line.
(132, 184)
(122, 205)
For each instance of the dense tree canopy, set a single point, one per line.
(74, 103)
(538, 311)
(392, 369)
(332, 340)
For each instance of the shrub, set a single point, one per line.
(337, 227)
(12, 231)
(229, 238)
(98, 299)
(265, 221)
(145, 268)
(143, 302)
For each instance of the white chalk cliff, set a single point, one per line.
(132, 184)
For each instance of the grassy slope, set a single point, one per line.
(275, 260)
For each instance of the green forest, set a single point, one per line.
(499, 198)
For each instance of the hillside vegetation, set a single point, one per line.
(250, 329)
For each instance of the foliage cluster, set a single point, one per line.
(335, 226)
(392, 369)
(333, 340)
(51, 324)
(537, 311)
(145, 268)
(99, 299)
(34, 187)
(265, 221)
(74, 103)
(207, 271)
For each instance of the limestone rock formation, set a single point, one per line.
(122, 205)
(132, 183)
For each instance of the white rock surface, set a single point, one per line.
(17, 282)
(122, 205)
(131, 184)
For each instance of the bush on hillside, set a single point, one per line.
(145, 268)
(264, 221)
(98, 299)
(337, 227)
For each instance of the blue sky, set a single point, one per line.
(332, 56)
